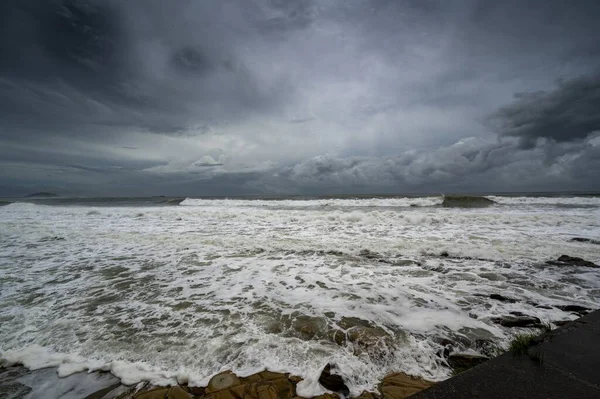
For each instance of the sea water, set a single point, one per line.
(165, 292)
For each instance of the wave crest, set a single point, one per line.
(466, 201)
(399, 202)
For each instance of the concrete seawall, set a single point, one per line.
(565, 363)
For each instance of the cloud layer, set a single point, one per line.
(297, 97)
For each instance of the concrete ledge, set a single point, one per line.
(569, 368)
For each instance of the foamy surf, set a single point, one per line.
(179, 293)
(333, 202)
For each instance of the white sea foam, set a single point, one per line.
(334, 202)
(573, 201)
(184, 292)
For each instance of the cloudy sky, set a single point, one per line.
(224, 97)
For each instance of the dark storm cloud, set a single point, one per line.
(568, 113)
(68, 65)
(293, 96)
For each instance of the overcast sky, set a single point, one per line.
(231, 97)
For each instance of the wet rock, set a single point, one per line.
(460, 362)
(264, 385)
(580, 310)
(400, 385)
(520, 320)
(310, 327)
(323, 396)
(368, 339)
(368, 395)
(175, 392)
(502, 298)
(560, 323)
(566, 260)
(448, 347)
(222, 381)
(587, 240)
(333, 382)
(338, 336)
(369, 254)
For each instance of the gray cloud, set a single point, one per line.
(275, 96)
(567, 113)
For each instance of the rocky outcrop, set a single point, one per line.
(333, 382)
(400, 385)
(579, 310)
(175, 392)
(518, 319)
(460, 362)
(586, 240)
(566, 260)
(502, 298)
(265, 385)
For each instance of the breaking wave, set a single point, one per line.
(333, 202)
(465, 201)
(565, 201)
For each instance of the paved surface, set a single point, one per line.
(570, 368)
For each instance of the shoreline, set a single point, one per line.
(48, 380)
(17, 381)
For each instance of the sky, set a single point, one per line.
(306, 97)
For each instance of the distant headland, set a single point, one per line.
(41, 195)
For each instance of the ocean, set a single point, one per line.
(167, 290)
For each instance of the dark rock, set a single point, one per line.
(369, 254)
(333, 382)
(543, 306)
(487, 348)
(588, 240)
(580, 310)
(517, 313)
(41, 195)
(448, 347)
(566, 260)
(502, 298)
(445, 254)
(460, 362)
(520, 320)
(560, 323)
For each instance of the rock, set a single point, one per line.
(566, 260)
(587, 240)
(448, 347)
(502, 298)
(324, 396)
(560, 323)
(175, 392)
(400, 385)
(518, 321)
(460, 362)
(338, 336)
(369, 254)
(372, 340)
(580, 310)
(367, 395)
(309, 327)
(517, 313)
(264, 385)
(333, 382)
(222, 381)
